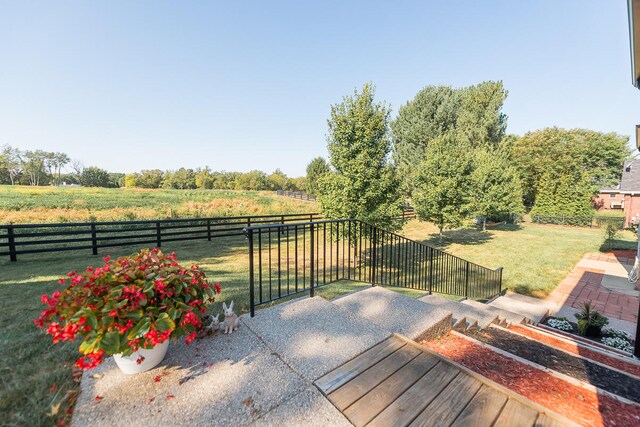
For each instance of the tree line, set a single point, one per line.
(447, 153)
(40, 167)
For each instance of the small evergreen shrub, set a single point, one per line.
(619, 343)
(560, 324)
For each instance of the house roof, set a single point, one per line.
(630, 181)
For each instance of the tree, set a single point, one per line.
(568, 152)
(11, 161)
(151, 178)
(474, 113)
(278, 181)
(363, 184)
(33, 164)
(59, 161)
(131, 180)
(496, 186)
(77, 167)
(315, 170)
(444, 185)
(95, 177)
(204, 178)
(181, 179)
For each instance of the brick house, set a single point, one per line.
(624, 197)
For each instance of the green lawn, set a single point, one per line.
(535, 258)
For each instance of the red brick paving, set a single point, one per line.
(585, 284)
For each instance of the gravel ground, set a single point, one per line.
(217, 381)
(584, 370)
(312, 335)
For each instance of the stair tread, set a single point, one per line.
(393, 311)
(510, 316)
(533, 312)
(473, 314)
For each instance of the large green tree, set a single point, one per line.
(474, 113)
(444, 183)
(497, 190)
(570, 152)
(95, 177)
(315, 170)
(362, 184)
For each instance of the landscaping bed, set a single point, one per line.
(584, 370)
(600, 341)
(633, 369)
(585, 407)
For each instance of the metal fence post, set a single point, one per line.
(94, 239)
(500, 279)
(252, 298)
(158, 234)
(430, 271)
(466, 282)
(12, 244)
(374, 254)
(312, 260)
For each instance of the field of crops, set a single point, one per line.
(24, 204)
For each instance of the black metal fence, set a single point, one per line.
(17, 239)
(289, 259)
(579, 221)
(300, 195)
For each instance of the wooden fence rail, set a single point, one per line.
(17, 239)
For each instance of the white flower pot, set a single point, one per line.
(152, 357)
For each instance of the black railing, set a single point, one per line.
(301, 195)
(578, 220)
(289, 259)
(17, 239)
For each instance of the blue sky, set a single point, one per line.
(248, 85)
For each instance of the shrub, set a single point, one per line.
(134, 302)
(619, 343)
(616, 333)
(590, 322)
(560, 324)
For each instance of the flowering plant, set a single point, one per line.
(131, 303)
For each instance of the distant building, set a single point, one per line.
(624, 197)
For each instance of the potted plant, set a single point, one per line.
(128, 308)
(590, 322)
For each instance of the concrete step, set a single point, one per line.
(552, 306)
(478, 316)
(396, 313)
(534, 312)
(506, 316)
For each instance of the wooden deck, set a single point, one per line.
(400, 383)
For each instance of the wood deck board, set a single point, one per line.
(546, 421)
(404, 409)
(344, 396)
(515, 413)
(354, 367)
(399, 383)
(451, 401)
(374, 402)
(483, 409)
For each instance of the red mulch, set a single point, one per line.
(583, 406)
(633, 369)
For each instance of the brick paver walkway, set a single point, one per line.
(584, 283)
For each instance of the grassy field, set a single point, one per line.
(35, 375)
(24, 204)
